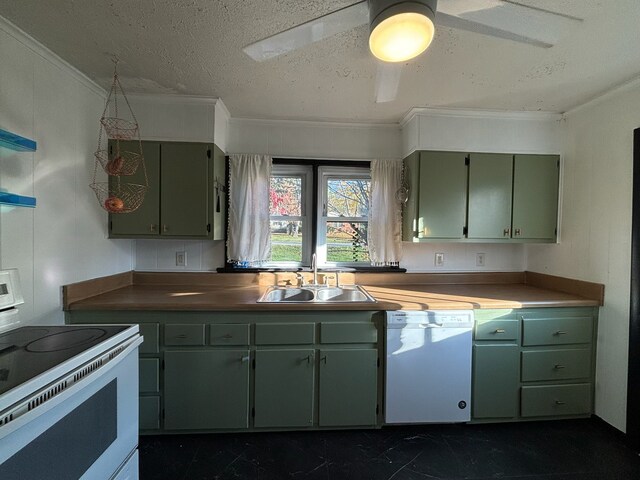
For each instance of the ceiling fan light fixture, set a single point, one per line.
(400, 30)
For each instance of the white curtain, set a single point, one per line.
(385, 213)
(249, 239)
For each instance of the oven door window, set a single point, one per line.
(69, 447)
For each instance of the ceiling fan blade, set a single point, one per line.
(310, 32)
(387, 81)
(506, 19)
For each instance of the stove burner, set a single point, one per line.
(65, 340)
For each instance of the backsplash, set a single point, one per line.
(160, 255)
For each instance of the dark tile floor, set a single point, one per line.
(564, 450)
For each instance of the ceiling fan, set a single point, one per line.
(402, 29)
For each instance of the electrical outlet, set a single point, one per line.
(480, 259)
(181, 259)
(439, 260)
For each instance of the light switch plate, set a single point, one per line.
(480, 259)
(181, 259)
(439, 260)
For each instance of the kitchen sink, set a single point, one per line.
(317, 294)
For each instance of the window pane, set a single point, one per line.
(348, 197)
(286, 241)
(285, 196)
(347, 242)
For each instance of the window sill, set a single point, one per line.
(305, 269)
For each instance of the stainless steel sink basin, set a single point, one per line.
(317, 294)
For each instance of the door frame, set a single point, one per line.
(633, 385)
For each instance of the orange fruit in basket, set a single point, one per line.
(114, 166)
(114, 204)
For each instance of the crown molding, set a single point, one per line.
(481, 114)
(603, 96)
(313, 123)
(176, 98)
(223, 107)
(39, 49)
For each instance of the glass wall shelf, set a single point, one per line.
(16, 142)
(14, 200)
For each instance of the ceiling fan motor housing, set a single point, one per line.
(380, 10)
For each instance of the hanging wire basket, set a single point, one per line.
(121, 163)
(117, 195)
(119, 128)
(123, 198)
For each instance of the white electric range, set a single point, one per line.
(68, 397)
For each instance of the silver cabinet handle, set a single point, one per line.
(244, 359)
(560, 332)
(165, 228)
(507, 232)
(558, 367)
(324, 359)
(152, 227)
(560, 402)
(500, 330)
(517, 232)
(182, 335)
(227, 336)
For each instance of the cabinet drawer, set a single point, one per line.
(149, 375)
(550, 400)
(556, 331)
(180, 334)
(150, 333)
(556, 364)
(285, 333)
(229, 334)
(348, 333)
(497, 330)
(149, 413)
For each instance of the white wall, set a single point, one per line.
(64, 239)
(596, 230)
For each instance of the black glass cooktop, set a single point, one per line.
(27, 352)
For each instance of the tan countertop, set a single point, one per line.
(390, 296)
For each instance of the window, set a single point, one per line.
(336, 229)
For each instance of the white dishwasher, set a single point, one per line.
(428, 368)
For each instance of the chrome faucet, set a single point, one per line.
(314, 267)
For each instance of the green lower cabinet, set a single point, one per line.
(348, 387)
(149, 418)
(206, 389)
(496, 381)
(554, 400)
(284, 388)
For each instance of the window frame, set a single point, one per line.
(324, 174)
(305, 172)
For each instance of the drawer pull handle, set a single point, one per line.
(182, 335)
(506, 232)
(324, 359)
(558, 367)
(560, 402)
(560, 332)
(500, 330)
(244, 359)
(227, 336)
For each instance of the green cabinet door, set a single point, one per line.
(145, 221)
(442, 196)
(490, 183)
(206, 389)
(496, 371)
(184, 180)
(535, 196)
(219, 189)
(348, 387)
(284, 388)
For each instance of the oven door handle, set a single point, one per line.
(27, 416)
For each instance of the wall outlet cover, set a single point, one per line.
(439, 259)
(181, 259)
(480, 259)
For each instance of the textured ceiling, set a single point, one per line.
(194, 47)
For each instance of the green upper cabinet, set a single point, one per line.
(182, 200)
(442, 195)
(535, 196)
(145, 221)
(184, 187)
(490, 183)
(490, 197)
